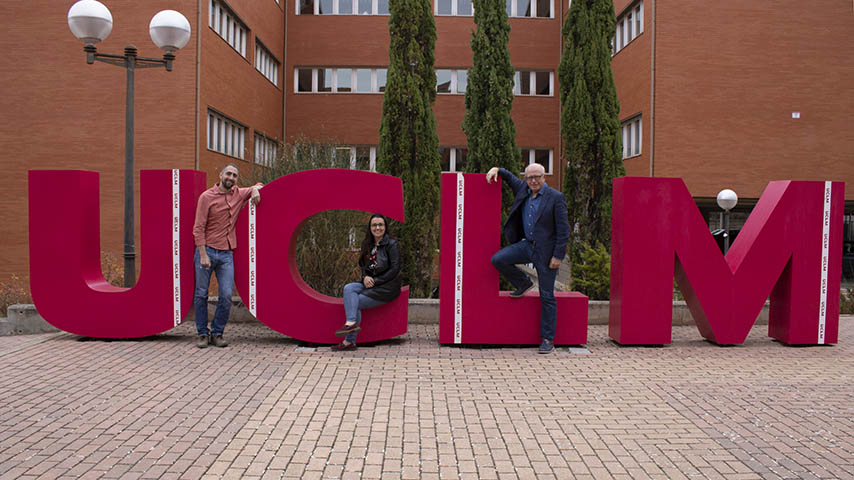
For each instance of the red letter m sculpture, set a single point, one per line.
(790, 249)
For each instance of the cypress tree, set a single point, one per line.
(590, 124)
(489, 128)
(408, 144)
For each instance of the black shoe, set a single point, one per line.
(547, 346)
(347, 329)
(521, 290)
(343, 347)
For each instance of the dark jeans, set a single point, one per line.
(222, 263)
(506, 259)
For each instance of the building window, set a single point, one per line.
(629, 26)
(534, 83)
(266, 63)
(344, 82)
(225, 135)
(343, 7)
(461, 8)
(303, 80)
(543, 156)
(530, 8)
(266, 150)
(632, 136)
(340, 80)
(381, 74)
(453, 159)
(358, 157)
(451, 81)
(226, 24)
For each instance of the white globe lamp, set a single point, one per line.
(90, 21)
(169, 30)
(727, 199)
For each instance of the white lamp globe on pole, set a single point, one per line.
(90, 21)
(169, 30)
(727, 200)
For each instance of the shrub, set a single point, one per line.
(327, 246)
(846, 302)
(592, 275)
(13, 292)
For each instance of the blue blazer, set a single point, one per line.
(551, 230)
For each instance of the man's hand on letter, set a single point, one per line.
(256, 195)
(492, 174)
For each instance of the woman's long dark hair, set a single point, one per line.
(368, 242)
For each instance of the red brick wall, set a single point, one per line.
(60, 113)
(231, 85)
(730, 74)
(355, 118)
(632, 75)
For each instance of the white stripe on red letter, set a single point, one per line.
(825, 253)
(253, 265)
(176, 247)
(458, 261)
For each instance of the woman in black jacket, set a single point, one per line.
(380, 263)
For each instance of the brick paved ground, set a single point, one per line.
(408, 408)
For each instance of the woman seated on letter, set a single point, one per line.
(379, 260)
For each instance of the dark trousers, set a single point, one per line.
(506, 259)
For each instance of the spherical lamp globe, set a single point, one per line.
(169, 30)
(727, 199)
(90, 21)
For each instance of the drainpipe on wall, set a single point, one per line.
(652, 98)
(284, 70)
(198, 79)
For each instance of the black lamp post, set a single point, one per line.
(91, 22)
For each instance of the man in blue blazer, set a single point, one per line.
(538, 231)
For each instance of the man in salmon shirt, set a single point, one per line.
(213, 230)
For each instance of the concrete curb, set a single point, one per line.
(24, 319)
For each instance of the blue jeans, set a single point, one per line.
(506, 259)
(354, 302)
(222, 263)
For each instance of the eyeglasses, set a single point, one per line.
(534, 177)
(377, 225)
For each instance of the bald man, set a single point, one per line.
(538, 231)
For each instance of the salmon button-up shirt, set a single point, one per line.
(216, 215)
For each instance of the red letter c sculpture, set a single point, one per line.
(266, 273)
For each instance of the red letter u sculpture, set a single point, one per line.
(472, 310)
(68, 287)
(790, 248)
(266, 272)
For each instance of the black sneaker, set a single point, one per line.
(521, 290)
(547, 346)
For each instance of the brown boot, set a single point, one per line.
(218, 341)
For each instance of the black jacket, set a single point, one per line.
(387, 274)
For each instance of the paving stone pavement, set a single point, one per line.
(72, 407)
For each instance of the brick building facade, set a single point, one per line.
(709, 92)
